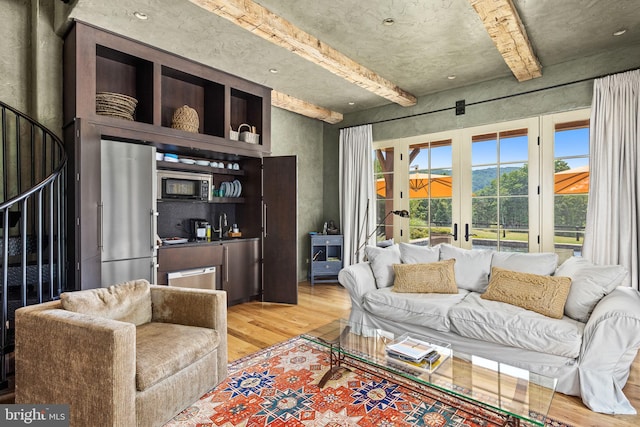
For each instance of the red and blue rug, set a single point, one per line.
(277, 387)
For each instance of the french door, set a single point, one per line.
(518, 186)
(500, 189)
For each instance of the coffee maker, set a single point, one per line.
(198, 228)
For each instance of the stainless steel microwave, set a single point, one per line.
(179, 185)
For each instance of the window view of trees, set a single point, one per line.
(499, 200)
(571, 189)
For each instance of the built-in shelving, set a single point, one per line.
(161, 83)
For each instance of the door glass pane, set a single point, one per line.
(571, 187)
(430, 193)
(484, 230)
(383, 174)
(500, 186)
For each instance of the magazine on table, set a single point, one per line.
(415, 356)
(410, 349)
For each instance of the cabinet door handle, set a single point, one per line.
(152, 232)
(265, 219)
(100, 225)
(226, 264)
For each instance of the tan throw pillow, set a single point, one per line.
(546, 295)
(127, 302)
(435, 277)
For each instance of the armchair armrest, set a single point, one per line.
(67, 357)
(193, 307)
(609, 346)
(189, 306)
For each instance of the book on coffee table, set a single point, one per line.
(410, 349)
(416, 356)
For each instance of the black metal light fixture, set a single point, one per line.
(401, 213)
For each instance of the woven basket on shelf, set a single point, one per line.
(185, 118)
(247, 136)
(115, 105)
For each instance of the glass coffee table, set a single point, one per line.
(515, 395)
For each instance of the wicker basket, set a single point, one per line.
(233, 134)
(247, 136)
(186, 118)
(115, 105)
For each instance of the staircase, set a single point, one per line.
(32, 222)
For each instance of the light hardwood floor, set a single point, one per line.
(254, 325)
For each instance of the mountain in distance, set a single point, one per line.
(480, 178)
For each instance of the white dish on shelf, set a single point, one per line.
(239, 188)
(188, 161)
(202, 162)
(170, 159)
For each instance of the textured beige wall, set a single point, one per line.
(15, 61)
(31, 60)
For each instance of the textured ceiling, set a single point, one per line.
(431, 39)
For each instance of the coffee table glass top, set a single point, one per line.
(512, 392)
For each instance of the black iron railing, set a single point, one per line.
(32, 220)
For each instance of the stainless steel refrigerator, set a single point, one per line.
(127, 212)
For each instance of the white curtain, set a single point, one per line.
(613, 214)
(357, 214)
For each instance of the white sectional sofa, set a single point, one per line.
(589, 348)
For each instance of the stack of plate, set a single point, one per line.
(115, 105)
(231, 189)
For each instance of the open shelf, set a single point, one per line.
(126, 74)
(246, 108)
(204, 96)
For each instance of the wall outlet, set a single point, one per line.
(307, 260)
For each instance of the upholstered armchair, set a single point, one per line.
(132, 354)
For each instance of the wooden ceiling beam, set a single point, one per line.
(502, 22)
(287, 102)
(264, 23)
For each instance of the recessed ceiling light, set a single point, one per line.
(352, 103)
(388, 22)
(273, 70)
(141, 15)
(451, 77)
(620, 32)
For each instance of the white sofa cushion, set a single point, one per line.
(414, 254)
(543, 264)
(589, 284)
(425, 310)
(472, 268)
(510, 325)
(381, 261)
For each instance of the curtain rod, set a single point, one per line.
(513, 95)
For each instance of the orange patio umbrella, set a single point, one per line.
(572, 181)
(422, 185)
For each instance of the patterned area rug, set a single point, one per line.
(277, 387)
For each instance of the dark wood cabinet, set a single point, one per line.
(177, 258)
(99, 61)
(241, 270)
(237, 265)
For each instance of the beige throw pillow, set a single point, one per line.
(435, 277)
(546, 295)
